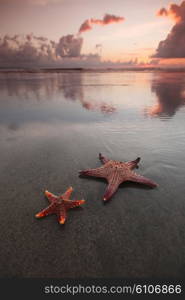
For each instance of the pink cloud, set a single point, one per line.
(176, 12)
(107, 19)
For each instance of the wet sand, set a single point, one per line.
(52, 126)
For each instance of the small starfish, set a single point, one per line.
(115, 173)
(59, 205)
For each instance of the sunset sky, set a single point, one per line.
(125, 32)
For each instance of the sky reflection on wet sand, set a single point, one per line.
(52, 126)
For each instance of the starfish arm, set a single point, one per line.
(110, 190)
(67, 194)
(62, 215)
(134, 163)
(51, 197)
(75, 203)
(45, 212)
(103, 159)
(141, 179)
(113, 183)
(99, 172)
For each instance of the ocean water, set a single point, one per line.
(54, 124)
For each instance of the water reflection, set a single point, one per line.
(23, 86)
(38, 86)
(47, 97)
(170, 91)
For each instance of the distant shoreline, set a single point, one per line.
(60, 70)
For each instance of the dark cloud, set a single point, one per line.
(174, 45)
(107, 19)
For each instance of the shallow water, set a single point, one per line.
(54, 124)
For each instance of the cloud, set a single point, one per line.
(162, 12)
(86, 25)
(107, 19)
(174, 45)
(69, 46)
(176, 12)
(30, 50)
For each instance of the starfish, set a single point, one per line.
(59, 205)
(115, 173)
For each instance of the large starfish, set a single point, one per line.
(59, 205)
(115, 173)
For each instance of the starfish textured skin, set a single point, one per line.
(115, 173)
(59, 205)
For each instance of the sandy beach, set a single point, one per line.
(54, 124)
